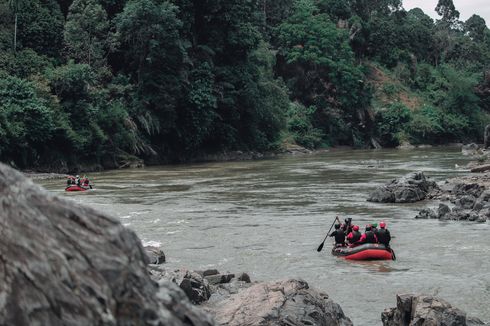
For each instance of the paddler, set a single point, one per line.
(368, 236)
(383, 234)
(354, 236)
(339, 236)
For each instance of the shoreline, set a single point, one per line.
(47, 173)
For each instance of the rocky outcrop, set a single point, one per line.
(192, 283)
(199, 286)
(470, 149)
(155, 255)
(66, 264)
(412, 310)
(480, 168)
(289, 302)
(411, 188)
(426, 213)
(471, 203)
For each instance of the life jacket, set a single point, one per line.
(339, 236)
(384, 236)
(354, 236)
(370, 237)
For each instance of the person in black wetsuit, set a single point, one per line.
(339, 236)
(383, 235)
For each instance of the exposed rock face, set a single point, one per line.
(66, 264)
(411, 188)
(471, 203)
(288, 302)
(470, 149)
(192, 283)
(426, 213)
(463, 189)
(443, 210)
(155, 255)
(424, 310)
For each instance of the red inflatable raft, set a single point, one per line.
(76, 188)
(368, 251)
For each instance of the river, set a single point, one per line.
(268, 217)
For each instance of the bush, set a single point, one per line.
(391, 122)
(26, 122)
(299, 123)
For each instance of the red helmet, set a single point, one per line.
(382, 225)
(355, 228)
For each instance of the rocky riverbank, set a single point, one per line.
(464, 198)
(422, 310)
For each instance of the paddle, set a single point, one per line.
(393, 256)
(320, 247)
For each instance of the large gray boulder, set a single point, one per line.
(67, 264)
(408, 189)
(412, 310)
(289, 302)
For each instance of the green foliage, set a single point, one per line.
(320, 69)
(26, 122)
(40, 27)
(300, 126)
(475, 26)
(86, 32)
(24, 63)
(103, 80)
(446, 9)
(391, 122)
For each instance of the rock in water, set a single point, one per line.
(288, 302)
(66, 264)
(425, 311)
(411, 188)
(426, 213)
(155, 255)
(470, 149)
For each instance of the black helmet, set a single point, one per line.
(337, 226)
(368, 227)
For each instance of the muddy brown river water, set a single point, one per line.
(268, 217)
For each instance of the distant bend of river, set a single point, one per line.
(268, 217)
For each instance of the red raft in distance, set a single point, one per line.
(367, 251)
(76, 188)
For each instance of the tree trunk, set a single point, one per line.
(15, 33)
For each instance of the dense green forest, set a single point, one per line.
(105, 81)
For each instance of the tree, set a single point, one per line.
(41, 27)
(26, 122)
(475, 27)
(418, 28)
(149, 35)
(446, 9)
(319, 67)
(86, 33)
(15, 6)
